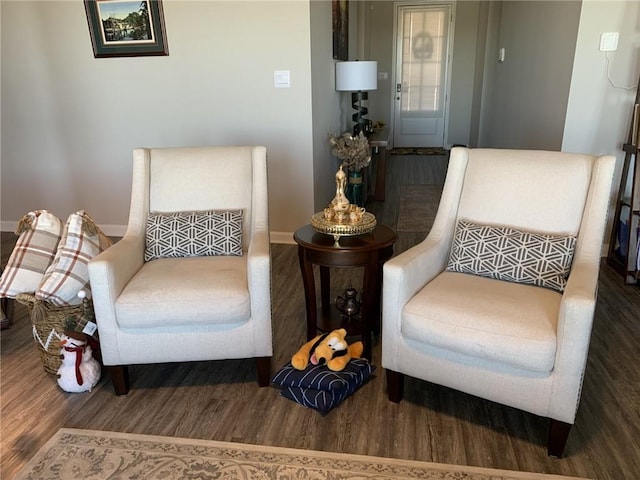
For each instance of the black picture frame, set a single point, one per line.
(340, 21)
(126, 28)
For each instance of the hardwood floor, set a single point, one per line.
(221, 400)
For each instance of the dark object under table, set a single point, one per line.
(369, 250)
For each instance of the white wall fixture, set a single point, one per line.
(609, 41)
(282, 79)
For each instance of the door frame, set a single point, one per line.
(448, 70)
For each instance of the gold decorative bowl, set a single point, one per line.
(365, 225)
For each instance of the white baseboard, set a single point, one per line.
(110, 230)
(282, 237)
(119, 231)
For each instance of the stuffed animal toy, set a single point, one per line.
(330, 349)
(79, 371)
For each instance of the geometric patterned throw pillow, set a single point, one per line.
(512, 255)
(81, 240)
(193, 234)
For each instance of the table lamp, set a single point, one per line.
(358, 77)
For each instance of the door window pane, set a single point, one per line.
(423, 60)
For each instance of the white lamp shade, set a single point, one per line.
(356, 76)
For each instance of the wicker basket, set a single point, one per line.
(48, 327)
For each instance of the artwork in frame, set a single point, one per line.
(340, 19)
(126, 28)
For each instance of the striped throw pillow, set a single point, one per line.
(318, 387)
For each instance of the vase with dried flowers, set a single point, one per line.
(355, 154)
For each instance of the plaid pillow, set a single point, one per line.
(318, 387)
(39, 233)
(69, 272)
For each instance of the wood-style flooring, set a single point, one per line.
(221, 400)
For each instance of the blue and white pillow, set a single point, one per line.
(318, 387)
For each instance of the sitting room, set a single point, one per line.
(106, 129)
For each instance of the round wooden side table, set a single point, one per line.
(370, 251)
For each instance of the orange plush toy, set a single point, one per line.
(330, 349)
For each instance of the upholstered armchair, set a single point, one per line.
(191, 278)
(498, 300)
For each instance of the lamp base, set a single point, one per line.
(365, 126)
(362, 124)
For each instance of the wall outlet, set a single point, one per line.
(609, 42)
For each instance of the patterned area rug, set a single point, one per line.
(419, 151)
(88, 455)
(418, 207)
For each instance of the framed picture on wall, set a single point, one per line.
(126, 28)
(340, 19)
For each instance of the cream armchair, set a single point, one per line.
(505, 340)
(178, 309)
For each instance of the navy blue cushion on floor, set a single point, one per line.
(318, 387)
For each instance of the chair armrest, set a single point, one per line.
(258, 259)
(405, 274)
(109, 273)
(575, 321)
(575, 318)
(259, 283)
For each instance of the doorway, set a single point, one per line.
(423, 33)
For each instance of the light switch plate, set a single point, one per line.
(281, 79)
(609, 42)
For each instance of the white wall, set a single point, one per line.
(600, 108)
(70, 121)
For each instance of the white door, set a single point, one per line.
(421, 75)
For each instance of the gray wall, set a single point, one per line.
(463, 82)
(463, 78)
(530, 88)
(380, 47)
(70, 121)
(555, 89)
(329, 107)
(518, 103)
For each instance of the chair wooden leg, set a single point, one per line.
(395, 385)
(263, 365)
(558, 434)
(120, 379)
